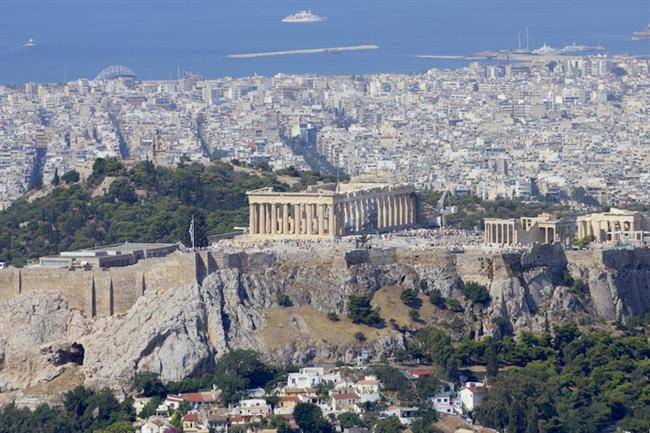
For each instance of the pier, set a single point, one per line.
(333, 50)
(448, 57)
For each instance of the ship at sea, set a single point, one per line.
(643, 34)
(303, 17)
(30, 43)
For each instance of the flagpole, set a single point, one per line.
(192, 232)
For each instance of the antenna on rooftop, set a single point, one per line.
(527, 46)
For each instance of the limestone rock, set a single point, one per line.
(183, 331)
(28, 323)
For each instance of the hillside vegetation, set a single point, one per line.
(142, 203)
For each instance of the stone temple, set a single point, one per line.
(331, 210)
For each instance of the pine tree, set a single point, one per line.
(492, 362)
(55, 179)
(515, 418)
(532, 423)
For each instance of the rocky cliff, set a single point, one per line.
(47, 347)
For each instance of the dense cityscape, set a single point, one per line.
(497, 131)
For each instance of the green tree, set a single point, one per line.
(71, 176)
(360, 311)
(410, 298)
(333, 316)
(122, 191)
(56, 180)
(150, 408)
(492, 360)
(436, 298)
(184, 407)
(310, 419)
(148, 384)
(454, 305)
(391, 378)
(389, 424)
(349, 420)
(118, 427)
(436, 344)
(475, 292)
(176, 420)
(516, 419)
(424, 423)
(284, 301)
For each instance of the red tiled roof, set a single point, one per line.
(290, 398)
(176, 398)
(368, 382)
(345, 396)
(421, 372)
(191, 417)
(198, 397)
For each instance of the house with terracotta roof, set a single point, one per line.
(253, 409)
(471, 395)
(419, 373)
(368, 389)
(345, 402)
(200, 400)
(286, 404)
(157, 425)
(190, 421)
(218, 422)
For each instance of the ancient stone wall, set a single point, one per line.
(104, 292)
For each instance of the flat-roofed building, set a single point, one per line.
(110, 256)
(331, 210)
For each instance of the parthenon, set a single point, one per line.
(331, 210)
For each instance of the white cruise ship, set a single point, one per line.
(303, 17)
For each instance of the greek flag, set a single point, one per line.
(191, 231)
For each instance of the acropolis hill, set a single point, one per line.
(176, 314)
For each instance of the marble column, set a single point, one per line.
(297, 215)
(321, 220)
(274, 218)
(310, 218)
(262, 223)
(251, 219)
(331, 220)
(285, 218)
(357, 215)
(380, 213)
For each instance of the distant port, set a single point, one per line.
(332, 50)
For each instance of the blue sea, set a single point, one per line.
(78, 38)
